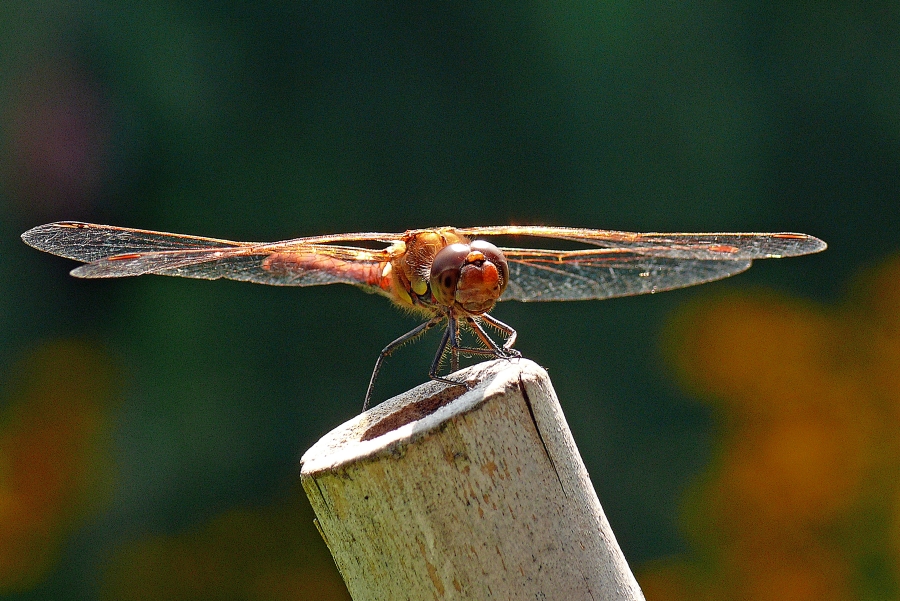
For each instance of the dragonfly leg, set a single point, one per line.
(508, 330)
(450, 337)
(490, 349)
(415, 332)
(454, 348)
(493, 348)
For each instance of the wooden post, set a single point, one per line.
(447, 493)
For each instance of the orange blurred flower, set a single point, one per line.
(807, 455)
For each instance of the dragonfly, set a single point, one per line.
(448, 275)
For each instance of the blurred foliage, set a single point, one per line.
(55, 456)
(268, 120)
(802, 498)
(241, 554)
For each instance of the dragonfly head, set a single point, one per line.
(469, 276)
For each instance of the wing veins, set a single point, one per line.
(594, 284)
(703, 246)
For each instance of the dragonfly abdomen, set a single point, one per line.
(368, 274)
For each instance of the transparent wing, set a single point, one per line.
(541, 275)
(713, 246)
(121, 252)
(88, 242)
(317, 265)
(625, 264)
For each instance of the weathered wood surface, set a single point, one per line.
(442, 493)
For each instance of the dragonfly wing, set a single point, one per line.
(316, 265)
(88, 242)
(537, 275)
(111, 252)
(714, 246)
(311, 269)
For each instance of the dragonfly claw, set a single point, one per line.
(451, 382)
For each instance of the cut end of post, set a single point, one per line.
(414, 411)
(410, 414)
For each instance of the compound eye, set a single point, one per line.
(494, 255)
(445, 272)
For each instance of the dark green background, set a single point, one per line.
(268, 120)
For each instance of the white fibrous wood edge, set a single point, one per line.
(448, 493)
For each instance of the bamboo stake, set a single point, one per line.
(443, 493)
